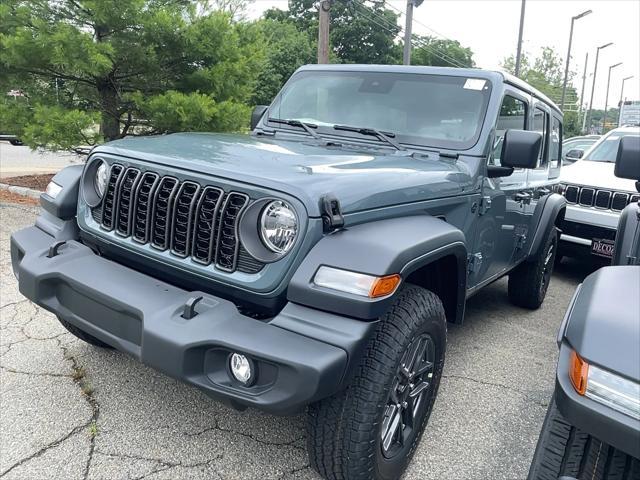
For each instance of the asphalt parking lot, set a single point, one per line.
(72, 411)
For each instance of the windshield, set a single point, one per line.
(434, 110)
(607, 149)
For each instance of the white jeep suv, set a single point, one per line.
(595, 198)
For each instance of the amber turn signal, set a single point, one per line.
(384, 286)
(578, 371)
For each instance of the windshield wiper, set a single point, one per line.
(372, 132)
(307, 127)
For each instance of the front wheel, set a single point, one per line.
(371, 429)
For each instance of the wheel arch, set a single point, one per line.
(549, 213)
(424, 250)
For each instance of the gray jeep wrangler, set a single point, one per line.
(315, 262)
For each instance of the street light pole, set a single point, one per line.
(606, 100)
(621, 96)
(566, 68)
(519, 51)
(593, 85)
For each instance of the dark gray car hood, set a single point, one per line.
(604, 324)
(361, 178)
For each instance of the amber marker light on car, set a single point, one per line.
(384, 286)
(578, 372)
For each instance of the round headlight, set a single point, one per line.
(278, 226)
(100, 181)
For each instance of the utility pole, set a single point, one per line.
(519, 51)
(606, 98)
(408, 26)
(584, 81)
(323, 31)
(566, 68)
(593, 85)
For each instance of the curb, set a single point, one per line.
(24, 191)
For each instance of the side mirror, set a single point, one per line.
(256, 115)
(628, 158)
(520, 149)
(575, 154)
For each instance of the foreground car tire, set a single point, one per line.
(371, 429)
(82, 335)
(529, 281)
(565, 451)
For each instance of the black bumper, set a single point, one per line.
(301, 355)
(601, 421)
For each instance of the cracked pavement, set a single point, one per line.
(73, 411)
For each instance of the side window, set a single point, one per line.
(513, 115)
(541, 124)
(555, 143)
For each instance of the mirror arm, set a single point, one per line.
(495, 171)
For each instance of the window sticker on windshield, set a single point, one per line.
(474, 84)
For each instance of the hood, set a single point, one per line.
(596, 174)
(361, 178)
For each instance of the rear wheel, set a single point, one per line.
(82, 335)
(529, 281)
(371, 429)
(565, 451)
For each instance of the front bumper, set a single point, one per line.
(601, 421)
(301, 355)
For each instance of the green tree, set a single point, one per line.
(440, 52)
(360, 32)
(288, 49)
(120, 62)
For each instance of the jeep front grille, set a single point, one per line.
(601, 199)
(185, 218)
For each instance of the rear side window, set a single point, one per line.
(541, 124)
(555, 143)
(513, 115)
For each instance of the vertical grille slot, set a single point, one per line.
(204, 227)
(142, 207)
(603, 198)
(227, 243)
(161, 216)
(619, 201)
(586, 196)
(124, 202)
(635, 199)
(571, 194)
(183, 213)
(110, 196)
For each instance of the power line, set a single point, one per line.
(388, 26)
(420, 23)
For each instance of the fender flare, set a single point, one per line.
(398, 245)
(548, 212)
(65, 204)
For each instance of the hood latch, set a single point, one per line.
(331, 212)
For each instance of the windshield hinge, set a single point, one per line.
(331, 212)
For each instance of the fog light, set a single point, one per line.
(241, 368)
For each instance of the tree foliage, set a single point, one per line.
(117, 60)
(440, 53)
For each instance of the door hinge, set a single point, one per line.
(474, 261)
(331, 213)
(485, 204)
(521, 239)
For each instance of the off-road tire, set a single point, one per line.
(343, 431)
(566, 451)
(529, 281)
(82, 335)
